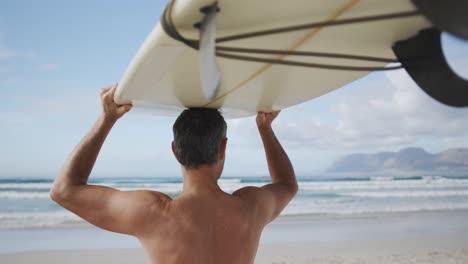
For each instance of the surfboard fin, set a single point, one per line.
(209, 70)
(423, 59)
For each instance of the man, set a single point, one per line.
(203, 224)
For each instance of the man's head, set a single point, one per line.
(199, 137)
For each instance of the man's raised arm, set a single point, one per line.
(284, 185)
(108, 208)
(271, 199)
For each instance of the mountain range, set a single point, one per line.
(409, 160)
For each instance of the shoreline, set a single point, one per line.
(280, 219)
(321, 216)
(417, 251)
(409, 237)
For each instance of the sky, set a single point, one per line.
(55, 56)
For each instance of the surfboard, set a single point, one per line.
(164, 75)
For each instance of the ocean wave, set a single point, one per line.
(12, 195)
(382, 185)
(318, 204)
(154, 182)
(64, 218)
(151, 186)
(38, 191)
(327, 210)
(229, 180)
(382, 178)
(4, 186)
(396, 178)
(256, 180)
(316, 196)
(25, 180)
(39, 219)
(400, 194)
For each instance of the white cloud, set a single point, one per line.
(386, 113)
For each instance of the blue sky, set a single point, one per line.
(56, 55)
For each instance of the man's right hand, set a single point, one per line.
(110, 110)
(264, 120)
(271, 199)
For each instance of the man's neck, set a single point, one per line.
(201, 180)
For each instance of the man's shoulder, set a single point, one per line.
(256, 199)
(152, 197)
(249, 192)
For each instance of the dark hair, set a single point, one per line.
(198, 133)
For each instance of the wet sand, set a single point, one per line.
(425, 237)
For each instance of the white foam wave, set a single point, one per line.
(160, 188)
(43, 219)
(25, 185)
(227, 181)
(165, 188)
(402, 194)
(383, 185)
(228, 186)
(338, 205)
(300, 207)
(361, 187)
(12, 195)
(382, 178)
(65, 218)
(435, 178)
(345, 211)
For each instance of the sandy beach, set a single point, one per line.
(440, 250)
(424, 237)
(427, 250)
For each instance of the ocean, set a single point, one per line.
(25, 203)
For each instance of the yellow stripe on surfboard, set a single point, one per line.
(306, 38)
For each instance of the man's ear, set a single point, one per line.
(173, 148)
(222, 149)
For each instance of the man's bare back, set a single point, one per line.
(211, 228)
(203, 224)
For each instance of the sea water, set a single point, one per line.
(25, 203)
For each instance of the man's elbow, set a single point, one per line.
(59, 193)
(292, 185)
(55, 194)
(294, 188)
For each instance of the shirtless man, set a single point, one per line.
(203, 224)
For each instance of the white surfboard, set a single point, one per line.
(164, 76)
